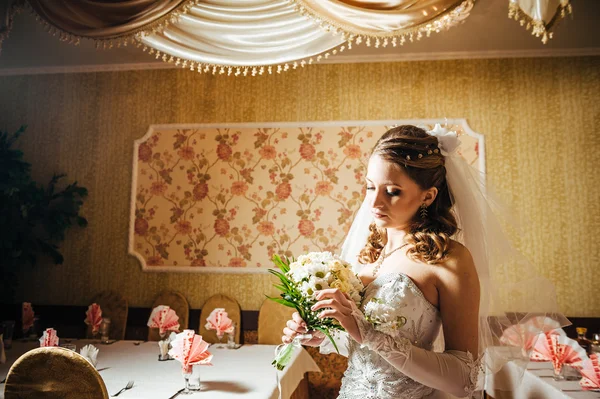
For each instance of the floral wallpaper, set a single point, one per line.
(227, 197)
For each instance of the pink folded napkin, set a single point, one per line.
(49, 338)
(189, 349)
(525, 334)
(220, 322)
(559, 349)
(27, 316)
(164, 318)
(590, 371)
(93, 317)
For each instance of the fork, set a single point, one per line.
(128, 386)
(177, 393)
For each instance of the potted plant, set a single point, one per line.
(34, 218)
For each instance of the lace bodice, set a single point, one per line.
(369, 375)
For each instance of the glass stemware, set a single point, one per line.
(220, 345)
(558, 371)
(231, 341)
(105, 330)
(192, 380)
(164, 347)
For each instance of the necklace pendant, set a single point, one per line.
(382, 257)
(378, 263)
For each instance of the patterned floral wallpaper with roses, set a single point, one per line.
(214, 197)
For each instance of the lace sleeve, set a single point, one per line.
(453, 372)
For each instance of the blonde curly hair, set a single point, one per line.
(428, 238)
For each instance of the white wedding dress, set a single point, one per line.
(374, 367)
(369, 375)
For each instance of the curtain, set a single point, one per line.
(539, 15)
(242, 37)
(8, 10)
(258, 36)
(384, 22)
(107, 20)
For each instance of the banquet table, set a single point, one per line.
(245, 372)
(537, 383)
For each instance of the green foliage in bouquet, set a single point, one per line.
(292, 297)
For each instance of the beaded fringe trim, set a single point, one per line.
(539, 28)
(444, 21)
(129, 38)
(15, 8)
(238, 70)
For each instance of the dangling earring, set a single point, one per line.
(423, 211)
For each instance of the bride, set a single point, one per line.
(420, 247)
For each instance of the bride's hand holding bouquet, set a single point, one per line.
(317, 277)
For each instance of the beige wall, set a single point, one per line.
(539, 117)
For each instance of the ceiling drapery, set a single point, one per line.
(8, 10)
(252, 37)
(107, 21)
(380, 23)
(539, 15)
(249, 37)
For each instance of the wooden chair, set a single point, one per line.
(231, 306)
(178, 303)
(54, 372)
(272, 318)
(115, 307)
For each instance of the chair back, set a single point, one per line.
(178, 303)
(113, 306)
(54, 372)
(272, 318)
(231, 306)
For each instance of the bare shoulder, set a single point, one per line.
(459, 296)
(459, 262)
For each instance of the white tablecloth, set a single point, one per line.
(537, 383)
(245, 372)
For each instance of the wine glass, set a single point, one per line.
(220, 335)
(105, 330)
(164, 347)
(558, 371)
(191, 376)
(231, 338)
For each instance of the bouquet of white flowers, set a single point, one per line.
(301, 279)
